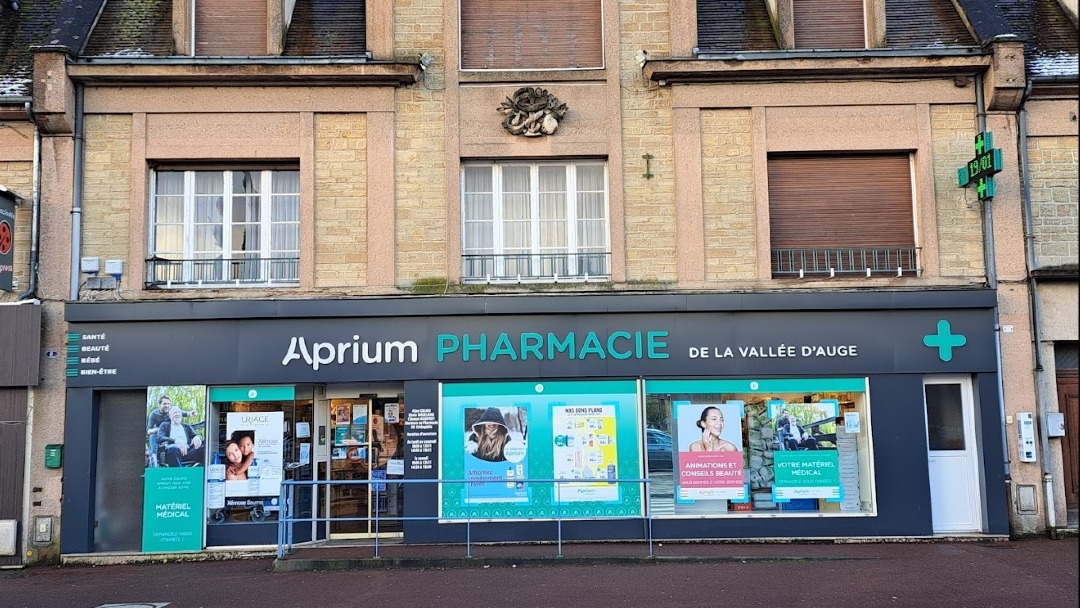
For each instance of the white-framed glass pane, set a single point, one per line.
(544, 220)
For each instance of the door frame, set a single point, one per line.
(1070, 443)
(971, 451)
(373, 402)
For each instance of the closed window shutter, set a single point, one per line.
(230, 27)
(851, 201)
(521, 35)
(829, 24)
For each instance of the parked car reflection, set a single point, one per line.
(658, 444)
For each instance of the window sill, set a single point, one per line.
(597, 75)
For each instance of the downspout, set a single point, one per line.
(991, 281)
(1033, 294)
(35, 206)
(76, 195)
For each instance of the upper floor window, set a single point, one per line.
(829, 24)
(514, 35)
(233, 227)
(535, 222)
(842, 214)
(232, 28)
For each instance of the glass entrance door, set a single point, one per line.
(366, 445)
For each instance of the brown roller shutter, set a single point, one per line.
(516, 34)
(20, 337)
(230, 28)
(852, 200)
(829, 24)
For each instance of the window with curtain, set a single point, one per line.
(534, 222)
(514, 35)
(238, 227)
(842, 214)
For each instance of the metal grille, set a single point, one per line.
(536, 268)
(247, 272)
(871, 262)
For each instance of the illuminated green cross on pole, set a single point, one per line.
(981, 169)
(944, 340)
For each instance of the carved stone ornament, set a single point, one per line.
(532, 112)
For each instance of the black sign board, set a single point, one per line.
(7, 238)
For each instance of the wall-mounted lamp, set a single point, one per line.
(425, 61)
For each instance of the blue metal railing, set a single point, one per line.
(287, 499)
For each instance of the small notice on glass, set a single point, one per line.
(852, 423)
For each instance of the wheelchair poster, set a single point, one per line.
(173, 480)
(805, 457)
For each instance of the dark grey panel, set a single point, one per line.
(85, 312)
(12, 458)
(309, 350)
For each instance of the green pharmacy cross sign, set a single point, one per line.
(981, 169)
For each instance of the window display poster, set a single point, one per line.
(805, 457)
(536, 445)
(253, 453)
(710, 457)
(174, 475)
(496, 461)
(584, 448)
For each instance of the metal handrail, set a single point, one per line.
(286, 501)
(238, 272)
(831, 261)
(536, 267)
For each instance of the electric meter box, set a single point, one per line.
(1025, 435)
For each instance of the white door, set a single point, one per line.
(955, 501)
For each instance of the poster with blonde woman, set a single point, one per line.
(710, 458)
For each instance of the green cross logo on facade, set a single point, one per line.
(981, 169)
(944, 340)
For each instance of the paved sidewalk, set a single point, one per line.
(982, 574)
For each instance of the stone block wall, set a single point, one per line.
(420, 145)
(106, 230)
(340, 200)
(727, 175)
(959, 221)
(1053, 166)
(648, 128)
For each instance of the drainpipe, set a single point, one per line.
(991, 280)
(35, 206)
(76, 195)
(1033, 294)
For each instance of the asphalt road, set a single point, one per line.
(1007, 574)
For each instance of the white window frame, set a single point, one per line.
(503, 269)
(230, 268)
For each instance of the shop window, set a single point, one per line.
(540, 222)
(841, 215)
(255, 443)
(829, 24)
(781, 446)
(221, 228)
(509, 35)
(230, 27)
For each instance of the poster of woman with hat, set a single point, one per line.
(489, 433)
(496, 446)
